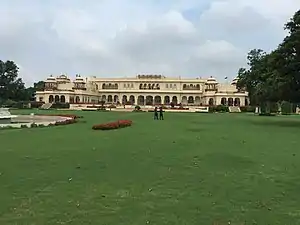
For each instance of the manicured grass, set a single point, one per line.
(188, 169)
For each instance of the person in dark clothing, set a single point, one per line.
(155, 113)
(161, 113)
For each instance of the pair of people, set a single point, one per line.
(161, 113)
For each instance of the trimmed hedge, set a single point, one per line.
(113, 125)
(60, 105)
(218, 108)
(248, 109)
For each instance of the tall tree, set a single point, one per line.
(39, 86)
(287, 61)
(30, 92)
(257, 79)
(11, 87)
(275, 76)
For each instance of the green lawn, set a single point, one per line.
(188, 169)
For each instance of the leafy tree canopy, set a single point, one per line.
(12, 87)
(275, 76)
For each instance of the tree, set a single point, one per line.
(274, 77)
(257, 79)
(39, 86)
(287, 61)
(11, 87)
(30, 92)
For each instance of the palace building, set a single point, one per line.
(142, 90)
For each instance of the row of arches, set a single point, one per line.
(231, 101)
(149, 86)
(73, 99)
(150, 100)
(191, 87)
(110, 86)
(57, 98)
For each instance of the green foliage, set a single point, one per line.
(12, 87)
(286, 108)
(248, 109)
(60, 105)
(218, 108)
(274, 76)
(222, 108)
(112, 106)
(36, 105)
(33, 125)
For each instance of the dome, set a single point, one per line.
(211, 80)
(51, 79)
(79, 79)
(63, 77)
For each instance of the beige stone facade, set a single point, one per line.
(141, 90)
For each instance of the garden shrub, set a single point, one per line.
(24, 126)
(113, 125)
(33, 125)
(112, 106)
(221, 108)
(20, 105)
(137, 108)
(36, 105)
(60, 105)
(286, 108)
(249, 108)
(101, 108)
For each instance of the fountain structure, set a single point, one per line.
(5, 116)
(18, 121)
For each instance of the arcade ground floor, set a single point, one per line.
(146, 99)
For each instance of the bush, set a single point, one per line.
(112, 106)
(33, 125)
(36, 105)
(286, 108)
(137, 109)
(222, 108)
(20, 105)
(248, 109)
(101, 108)
(24, 126)
(60, 105)
(91, 106)
(113, 125)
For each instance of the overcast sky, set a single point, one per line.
(117, 38)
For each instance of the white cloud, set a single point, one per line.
(123, 38)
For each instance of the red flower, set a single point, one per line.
(113, 125)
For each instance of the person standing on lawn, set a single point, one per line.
(161, 113)
(155, 114)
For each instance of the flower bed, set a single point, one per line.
(113, 125)
(65, 122)
(73, 116)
